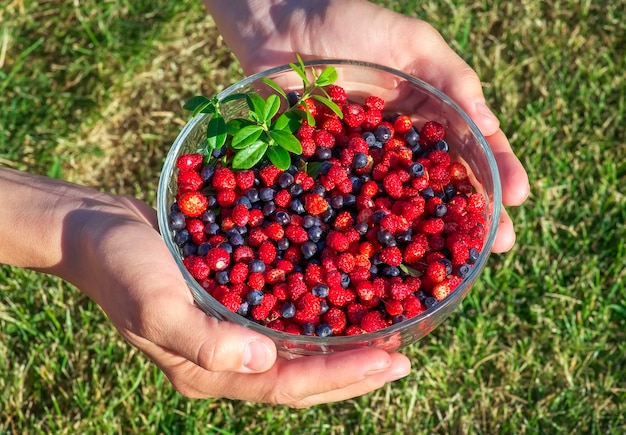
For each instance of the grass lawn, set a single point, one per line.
(92, 92)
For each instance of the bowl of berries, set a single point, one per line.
(330, 205)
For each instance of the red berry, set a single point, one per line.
(337, 241)
(191, 162)
(192, 204)
(402, 124)
(224, 179)
(431, 132)
(315, 204)
(197, 267)
(217, 259)
(245, 179)
(189, 180)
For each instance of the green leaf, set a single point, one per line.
(272, 106)
(216, 132)
(330, 104)
(256, 103)
(196, 102)
(409, 270)
(327, 77)
(313, 169)
(272, 84)
(234, 97)
(234, 125)
(301, 72)
(279, 157)
(249, 156)
(289, 121)
(246, 136)
(287, 141)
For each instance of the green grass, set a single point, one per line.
(93, 94)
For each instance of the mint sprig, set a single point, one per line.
(264, 133)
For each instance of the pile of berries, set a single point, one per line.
(373, 224)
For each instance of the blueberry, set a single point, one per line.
(428, 193)
(282, 218)
(441, 210)
(359, 161)
(441, 145)
(361, 228)
(207, 173)
(176, 221)
(324, 330)
(399, 318)
(243, 308)
(349, 200)
(321, 245)
(308, 249)
(282, 244)
(204, 248)
(448, 265)
(222, 277)
(295, 190)
(320, 290)
(345, 280)
(450, 191)
(323, 153)
(315, 233)
(369, 137)
(430, 302)
(182, 237)
(269, 208)
(412, 137)
(384, 237)
(357, 183)
(328, 215)
(405, 236)
(421, 295)
(324, 167)
(241, 229)
(336, 202)
(254, 297)
(252, 194)
(189, 249)
(318, 189)
(293, 97)
(245, 201)
(323, 307)
(473, 256)
(267, 194)
(289, 310)
(378, 216)
(211, 201)
(391, 271)
(219, 152)
(285, 180)
(416, 170)
(308, 328)
(296, 206)
(308, 221)
(208, 217)
(174, 207)
(382, 133)
(377, 145)
(227, 247)
(373, 271)
(257, 266)
(236, 239)
(211, 229)
(463, 270)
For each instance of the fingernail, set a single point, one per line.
(380, 367)
(482, 108)
(256, 355)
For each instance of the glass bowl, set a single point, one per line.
(403, 94)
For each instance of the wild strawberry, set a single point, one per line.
(333, 126)
(373, 321)
(296, 234)
(267, 252)
(476, 203)
(439, 176)
(245, 179)
(391, 255)
(308, 146)
(224, 179)
(431, 226)
(256, 218)
(412, 306)
(269, 174)
(393, 185)
(226, 198)
(343, 221)
(371, 119)
(340, 297)
(441, 290)
(365, 290)
(305, 131)
(439, 157)
(282, 198)
(232, 301)
(274, 231)
(346, 262)
(240, 215)
(217, 259)
(192, 204)
(186, 162)
(238, 273)
(188, 181)
(374, 102)
(315, 204)
(336, 318)
(304, 180)
(194, 226)
(256, 280)
(337, 94)
(431, 132)
(309, 304)
(337, 241)
(399, 291)
(324, 138)
(256, 237)
(402, 124)
(359, 273)
(274, 276)
(197, 266)
(436, 271)
(415, 250)
(394, 307)
(353, 114)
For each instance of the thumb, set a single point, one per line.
(217, 346)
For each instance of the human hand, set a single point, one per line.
(263, 34)
(120, 261)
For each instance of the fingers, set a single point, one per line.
(515, 186)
